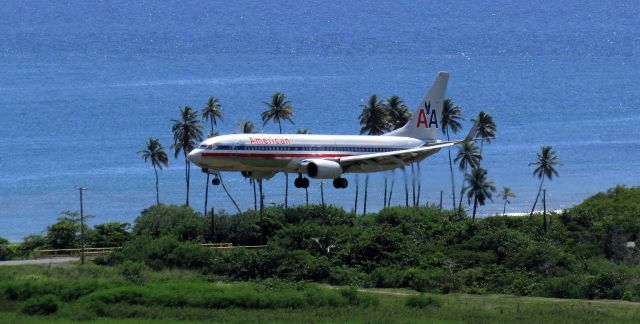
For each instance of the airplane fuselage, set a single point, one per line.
(284, 153)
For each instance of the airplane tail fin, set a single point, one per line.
(425, 122)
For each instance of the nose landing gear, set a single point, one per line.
(216, 180)
(340, 183)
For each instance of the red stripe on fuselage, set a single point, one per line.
(271, 155)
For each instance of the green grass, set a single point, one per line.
(103, 294)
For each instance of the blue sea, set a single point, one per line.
(84, 84)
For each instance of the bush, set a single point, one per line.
(385, 278)
(565, 287)
(110, 234)
(32, 243)
(133, 272)
(179, 222)
(345, 276)
(6, 252)
(41, 305)
(421, 301)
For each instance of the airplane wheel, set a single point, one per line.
(344, 183)
(297, 182)
(337, 183)
(304, 183)
(215, 181)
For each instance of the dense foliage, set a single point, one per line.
(587, 252)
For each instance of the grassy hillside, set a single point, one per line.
(586, 252)
(107, 294)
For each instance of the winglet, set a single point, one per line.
(472, 132)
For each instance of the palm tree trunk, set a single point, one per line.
(306, 196)
(393, 180)
(206, 195)
(286, 190)
(355, 206)
(384, 201)
(419, 184)
(322, 193)
(228, 194)
(255, 199)
(366, 189)
(187, 175)
(504, 208)
(413, 185)
(453, 186)
(261, 210)
(406, 188)
(475, 206)
(544, 209)
(461, 193)
(537, 196)
(157, 191)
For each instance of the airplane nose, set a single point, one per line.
(195, 156)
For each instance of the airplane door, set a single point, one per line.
(234, 149)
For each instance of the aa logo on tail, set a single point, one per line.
(427, 121)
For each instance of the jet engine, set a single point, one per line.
(323, 169)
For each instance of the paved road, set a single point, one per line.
(39, 261)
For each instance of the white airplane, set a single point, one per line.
(261, 156)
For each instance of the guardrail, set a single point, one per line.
(73, 252)
(92, 252)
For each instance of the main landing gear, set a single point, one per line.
(340, 183)
(216, 180)
(301, 182)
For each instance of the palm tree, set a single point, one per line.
(212, 111)
(187, 131)
(545, 168)
(505, 195)
(451, 116)
(158, 157)
(399, 114)
(247, 127)
(479, 187)
(486, 128)
(277, 110)
(374, 117)
(468, 156)
(374, 120)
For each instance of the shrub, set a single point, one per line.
(385, 278)
(41, 305)
(421, 301)
(572, 286)
(180, 222)
(110, 234)
(133, 272)
(6, 252)
(31, 243)
(345, 276)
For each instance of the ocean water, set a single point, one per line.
(83, 85)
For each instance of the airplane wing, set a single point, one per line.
(386, 159)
